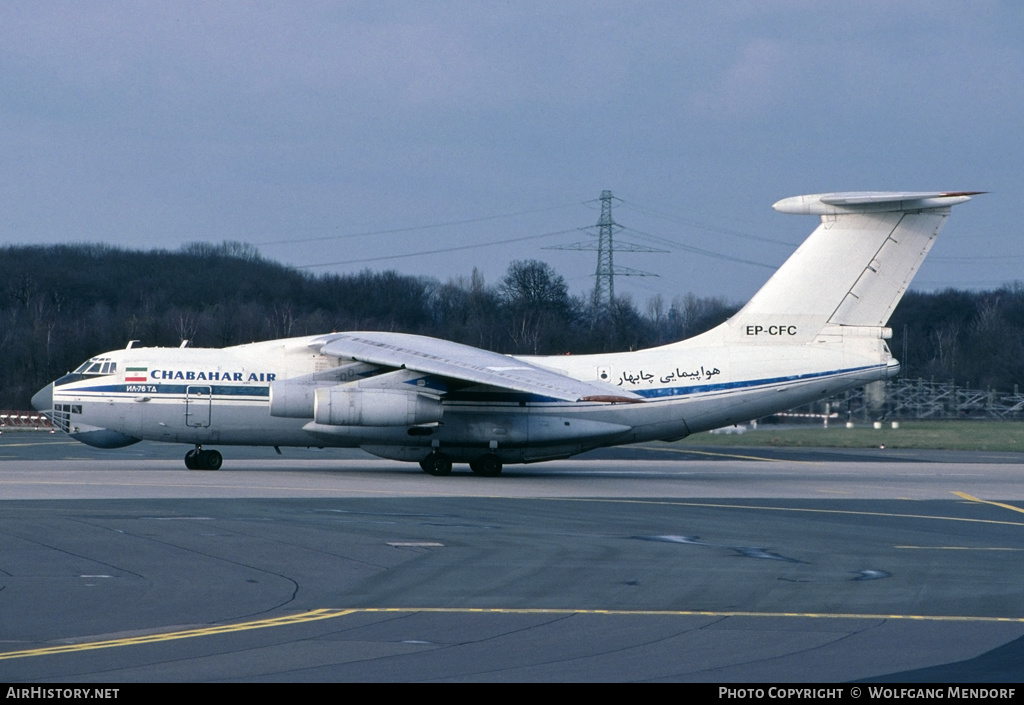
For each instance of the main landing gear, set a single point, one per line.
(486, 465)
(437, 464)
(200, 459)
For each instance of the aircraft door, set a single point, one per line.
(198, 402)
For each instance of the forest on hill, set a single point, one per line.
(62, 304)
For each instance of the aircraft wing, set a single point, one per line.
(463, 362)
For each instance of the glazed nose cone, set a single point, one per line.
(43, 399)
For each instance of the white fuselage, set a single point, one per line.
(222, 396)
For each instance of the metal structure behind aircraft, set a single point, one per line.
(814, 329)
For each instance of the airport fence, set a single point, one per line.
(914, 399)
(13, 420)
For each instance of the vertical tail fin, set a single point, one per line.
(852, 270)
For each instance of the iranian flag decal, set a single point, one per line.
(136, 374)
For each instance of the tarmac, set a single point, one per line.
(663, 562)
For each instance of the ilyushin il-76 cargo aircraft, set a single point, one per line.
(817, 327)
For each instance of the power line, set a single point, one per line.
(434, 252)
(973, 259)
(413, 228)
(704, 226)
(701, 251)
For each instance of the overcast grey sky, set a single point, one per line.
(435, 126)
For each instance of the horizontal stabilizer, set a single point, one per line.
(871, 202)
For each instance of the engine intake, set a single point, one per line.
(293, 401)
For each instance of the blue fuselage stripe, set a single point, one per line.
(217, 390)
(727, 386)
(225, 390)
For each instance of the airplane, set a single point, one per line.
(816, 328)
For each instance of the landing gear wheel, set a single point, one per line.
(213, 460)
(437, 464)
(486, 465)
(199, 459)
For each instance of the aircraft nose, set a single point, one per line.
(43, 399)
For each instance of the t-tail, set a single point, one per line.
(846, 279)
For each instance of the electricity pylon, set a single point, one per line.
(604, 287)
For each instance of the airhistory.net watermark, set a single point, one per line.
(40, 693)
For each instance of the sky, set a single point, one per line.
(433, 138)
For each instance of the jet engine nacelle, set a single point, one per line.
(292, 401)
(341, 406)
(295, 398)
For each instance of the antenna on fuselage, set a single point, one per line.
(130, 344)
(184, 343)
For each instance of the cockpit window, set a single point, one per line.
(96, 366)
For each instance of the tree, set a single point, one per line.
(536, 302)
(534, 284)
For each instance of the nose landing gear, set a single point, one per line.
(199, 459)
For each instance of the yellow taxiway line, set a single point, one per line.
(969, 498)
(322, 614)
(662, 449)
(311, 616)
